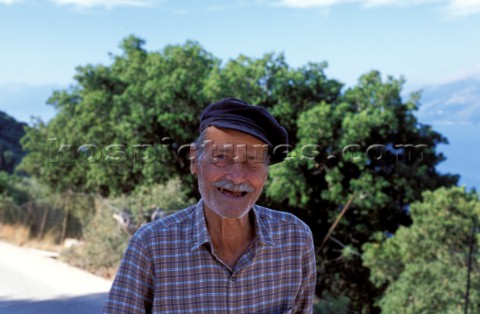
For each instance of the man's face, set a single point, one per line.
(231, 171)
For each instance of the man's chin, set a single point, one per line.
(231, 210)
(231, 214)
(228, 207)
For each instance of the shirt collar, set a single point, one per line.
(201, 235)
(262, 233)
(200, 232)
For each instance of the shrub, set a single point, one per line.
(105, 241)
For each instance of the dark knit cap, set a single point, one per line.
(235, 114)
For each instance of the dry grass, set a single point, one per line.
(20, 235)
(16, 234)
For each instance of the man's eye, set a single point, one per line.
(221, 160)
(255, 165)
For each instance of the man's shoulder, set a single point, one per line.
(275, 219)
(177, 220)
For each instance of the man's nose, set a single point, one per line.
(237, 172)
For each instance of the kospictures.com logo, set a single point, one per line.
(141, 154)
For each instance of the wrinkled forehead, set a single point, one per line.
(233, 142)
(228, 136)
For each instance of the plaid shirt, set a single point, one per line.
(170, 266)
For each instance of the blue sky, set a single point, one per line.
(432, 43)
(426, 41)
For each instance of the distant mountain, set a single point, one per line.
(453, 109)
(11, 131)
(453, 103)
(23, 101)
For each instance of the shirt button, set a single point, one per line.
(233, 279)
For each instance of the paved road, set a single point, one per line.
(32, 283)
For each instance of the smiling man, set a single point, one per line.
(225, 254)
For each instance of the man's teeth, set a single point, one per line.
(232, 193)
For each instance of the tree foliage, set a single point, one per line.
(11, 131)
(367, 145)
(126, 125)
(425, 266)
(120, 125)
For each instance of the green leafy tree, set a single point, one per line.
(425, 266)
(121, 125)
(366, 145)
(127, 124)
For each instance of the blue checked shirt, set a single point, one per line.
(170, 266)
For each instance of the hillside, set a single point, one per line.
(452, 103)
(11, 131)
(453, 109)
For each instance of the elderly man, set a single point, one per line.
(225, 254)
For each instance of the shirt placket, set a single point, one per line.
(235, 284)
(232, 293)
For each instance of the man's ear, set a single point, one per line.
(193, 160)
(266, 176)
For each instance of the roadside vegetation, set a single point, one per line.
(80, 227)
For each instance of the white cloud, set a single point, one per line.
(108, 4)
(366, 3)
(462, 7)
(450, 7)
(377, 3)
(8, 2)
(304, 4)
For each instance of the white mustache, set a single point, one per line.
(229, 185)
